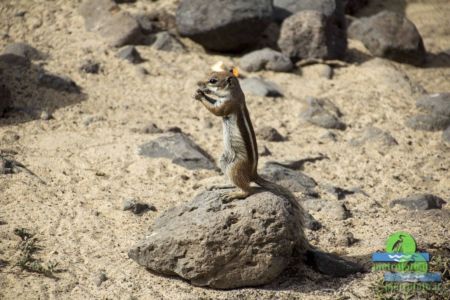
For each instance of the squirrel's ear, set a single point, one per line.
(234, 71)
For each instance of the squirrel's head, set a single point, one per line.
(220, 84)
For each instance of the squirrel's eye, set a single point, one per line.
(213, 80)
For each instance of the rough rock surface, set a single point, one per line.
(323, 113)
(391, 35)
(180, 148)
(312, 35)
(419, 202)
(286, 8)
(266, 59)
(117, 27)
(223, 25)
(260, 87)
(209, 243)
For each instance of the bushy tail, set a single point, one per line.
(297, 208)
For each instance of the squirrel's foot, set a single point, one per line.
(226, 198)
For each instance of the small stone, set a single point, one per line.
(419, 202)
(174, 129)
(131, 54)
(266, 59)
(390, 35)
(151, 128)
(438, 104)
(326, 72)
(137, 207)
(45, 115)
(164, 41)
(101, 278)
(23, 50)
(59, 83)
(346, 239)
(90, 66)
(311, 223)
(270, 134)
(180, 149)
(432, 122)
(295, 181)
(331, 264)
(265, 152)
(89, 119)
(374, 135)
(323, 113)
(446, 135)
(260, 87)
(331, 209)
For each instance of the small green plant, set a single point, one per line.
(28, 247)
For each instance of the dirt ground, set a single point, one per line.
(89, 170)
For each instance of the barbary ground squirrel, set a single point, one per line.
(222, 95)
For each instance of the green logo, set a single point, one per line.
(401, 242)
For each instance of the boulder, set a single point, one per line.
(243, 243)
(438, 103)
(390, 35)
(266, 59)
(180, 149)
(295, 181)
(323, 113)
(311, 34)
(218, 25)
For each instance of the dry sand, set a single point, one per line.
(77, 215)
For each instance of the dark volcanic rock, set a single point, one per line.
(178, 147)
(166, 42)
(313, 34)
(331, 264)
(266, 59)
(131, 54)
(5, 98)
(23, 50)
(260, 87)
(270, 134)
(431, 122)
(390, 35)
(295, 181)
(90, 66)
(209, 243)
(435, 103)
(218, 25)
(117, 27)
(419, 202)
(323, 113)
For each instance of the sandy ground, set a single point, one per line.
(77, 215)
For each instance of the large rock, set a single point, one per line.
(419, 202)
(323, 113)
(431, 122)
(266, 59)
(117, 27)
(180, 148)
(218, 25)
(311, 34)
(390, 35)
(243, 243)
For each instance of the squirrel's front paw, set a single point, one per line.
(198, 95)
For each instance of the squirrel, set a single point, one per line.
(222, 95)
